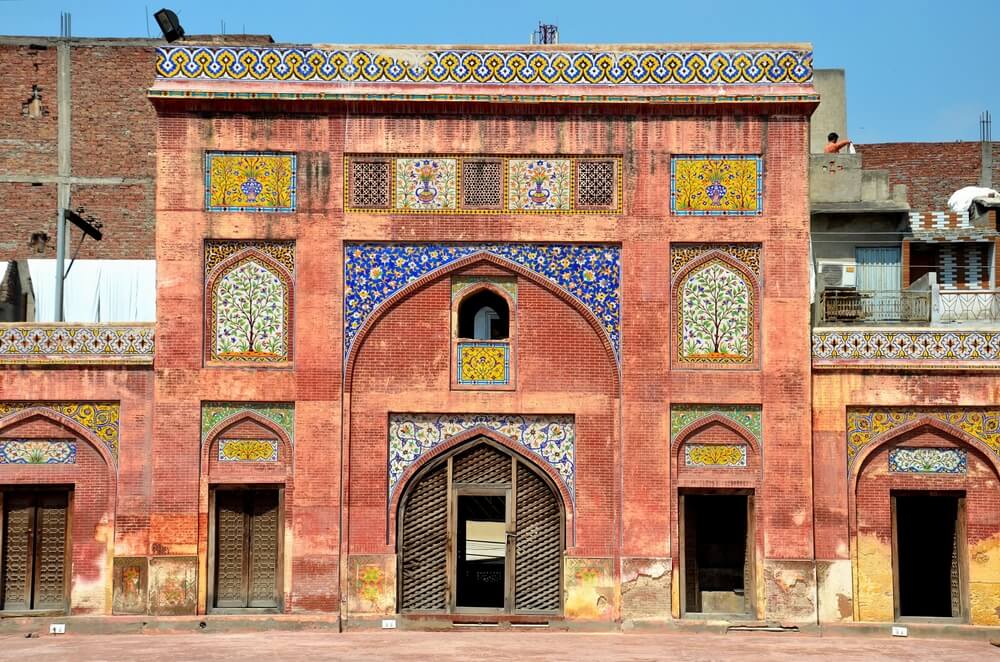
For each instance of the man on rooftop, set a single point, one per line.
(834, 144)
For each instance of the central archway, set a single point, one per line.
(481, 530)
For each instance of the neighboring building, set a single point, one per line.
(905, 349)
(493, 334)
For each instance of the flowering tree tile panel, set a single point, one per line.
(250, 181)
(37, 451)
(426, 183)
(726, 185)
(250, 301)
(716, 303)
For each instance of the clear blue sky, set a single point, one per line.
(917, 70)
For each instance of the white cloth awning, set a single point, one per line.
(96, 291)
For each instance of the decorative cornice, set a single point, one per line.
(402, 65)
(909, 349)
(81, 344)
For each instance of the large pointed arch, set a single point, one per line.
(82, 432)
(462, 263)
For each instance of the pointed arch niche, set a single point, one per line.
(249, 292)
(716, 304)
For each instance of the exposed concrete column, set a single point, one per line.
(65, 134)
(986, 167)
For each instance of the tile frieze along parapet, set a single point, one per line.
(68, 343)
(750, 72)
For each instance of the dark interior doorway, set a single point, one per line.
(716, 559)
(928, 561)
(484, 315)
(481, 551)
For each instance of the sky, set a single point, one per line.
(917, 70)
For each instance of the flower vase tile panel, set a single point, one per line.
(250, 182)
(426, 183)
(539, 185)
(250, 294)
(731, 185)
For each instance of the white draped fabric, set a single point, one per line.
(97, 291)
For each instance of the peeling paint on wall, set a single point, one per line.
(646, 588)
(590, 589)
(874, 595)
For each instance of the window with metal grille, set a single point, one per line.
(595, 183)
(369, 184)
(482, 183)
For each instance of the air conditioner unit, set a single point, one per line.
(837, 273)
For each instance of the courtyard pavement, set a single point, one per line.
(314, 646)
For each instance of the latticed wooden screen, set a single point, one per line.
(425, 543)
(34, 550)
(538, 555)
(246, 555)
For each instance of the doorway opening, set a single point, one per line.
(247, 541)
(718, 561)
(480, 531)
(33, 569)
(928, 539)
(481, 551)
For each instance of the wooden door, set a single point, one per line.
(247, 549)
(34, 551)
(538, 555)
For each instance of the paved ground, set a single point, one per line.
(486, 646)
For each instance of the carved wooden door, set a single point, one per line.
(34, 551)
(247, 549)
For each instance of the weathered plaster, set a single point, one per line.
(646, 588)
(835, 591)
(874, 587)
(590, 589)
(372, 584)
(790, 590)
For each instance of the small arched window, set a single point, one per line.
(484, 315)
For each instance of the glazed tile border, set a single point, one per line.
(866, 425)
(76, 343)
(101, 418)
(549, 439)
(214, 413)
(896, 349)
(620, 67)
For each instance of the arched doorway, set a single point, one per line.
(481, 530)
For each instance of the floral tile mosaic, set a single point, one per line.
(249, 293)
(748, 417)
(426, 183)
(37, 451)
(483, 363)
(866, 425)
(539, 184)
(373, 272)
(216, 414)
(549, 439)
(248, 450)
(488, 66)
(250, 182)
(77, 343)
(100, 418)
(730, 185)
(928, 460)
(715, 455)
(715, 304)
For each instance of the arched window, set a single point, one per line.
(484, 315)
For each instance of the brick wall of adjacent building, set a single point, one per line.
(930, 171)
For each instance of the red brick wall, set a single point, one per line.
(931, 171)
(110, 508)
(112, 138)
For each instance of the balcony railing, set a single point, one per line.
(875, 306)
(964, 305)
